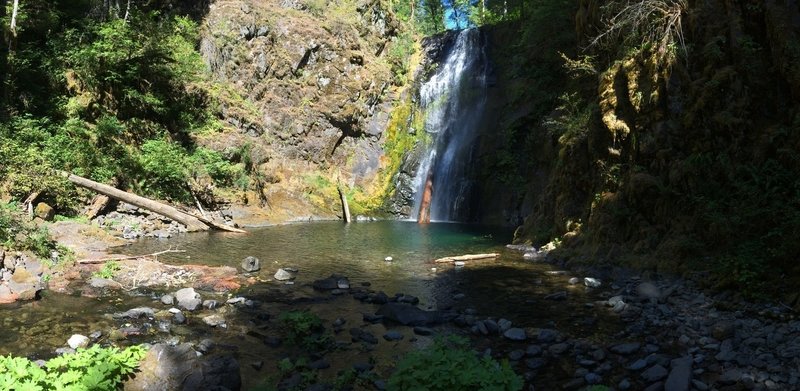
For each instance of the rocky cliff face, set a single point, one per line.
(681, 156)
(307, 88)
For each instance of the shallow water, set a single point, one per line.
(508, 287)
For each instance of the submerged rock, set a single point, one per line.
(78, 341)
(408, 315)
(283, 275)
(251, 264)
(168, 367)
(591, 282)
(188, 299)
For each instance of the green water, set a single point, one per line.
(507, 287)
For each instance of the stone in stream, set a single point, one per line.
(210, 304)
(78, 341)
(393, 335)
(136, 313)
(574, 281)
(251, 264)
(515, 334)
(419, 330)
(343, 283)
(283, 275)
(680, 374)
(591, 282)
(654, 373)
(179, 318)
(408, 315)
(327, 284)
(625, 348)
(178, 367)
(560, 295)
(214, 320)
(188, 299)
(168, 299)
(547, 335)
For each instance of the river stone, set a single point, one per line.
(326, 284)
(24, 285)
(625, 348)
(408, 315)
(210, 304)
(136, 313)
(214, 320)
(78, 341)
(591, 282)
(343, 283)
(168, 299)
(547, 335)
(283, 275)
(515, 334)
(393, 335)
(188, 299)
(6, 296)
(654, 373)
(574, 281)
(680, 374)
(648, 290)
(168, 367)
(251, 264)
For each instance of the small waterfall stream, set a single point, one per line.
(454, 100)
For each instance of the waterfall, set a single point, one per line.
(453, 99)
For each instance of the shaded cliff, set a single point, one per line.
(674, 151)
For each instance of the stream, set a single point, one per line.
(508, 287)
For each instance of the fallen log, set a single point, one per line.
(467, 257)
(126, 257)
(192, 223)
(219, 226)
(345, 207)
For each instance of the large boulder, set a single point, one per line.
(44, 211)
(168, 367)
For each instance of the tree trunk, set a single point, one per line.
(192, 223)
(345, 207)
(425, 205)
(467, 257)
(14, 11)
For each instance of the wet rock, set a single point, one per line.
(408, 299)
(214, 320)
(535, 363)
(24, 285)
(370, 318)
(168, 299)
(78, 341)
(591, 282)
(179, 318)
(210, 304)
(516, 355)
(730, 376)
(168, 367)
(326, 284)
(680, 374)
(654, 373)
(547, 335)
(515, 334)
(625, 348)
(6, 296)
(343, 283)
(558, 349)
(236, 300)
(136, 313)
(206, 346)
(408, 315)
(638, 365)
(419, 330)
(251, 264)
(283, 275)
(393, 335)
(188, 299)
(533, 351)
(574, 281)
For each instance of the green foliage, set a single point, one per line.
(305, 328)
(108, 270)
(400, 53)
(451, 365)
(16, 232)
(570, 124)
(95, 368)
(165, 167)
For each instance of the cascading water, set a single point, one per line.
(454, 100)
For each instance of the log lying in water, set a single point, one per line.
(192, 223)
(467, 257)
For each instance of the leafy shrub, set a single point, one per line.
(305, 328)
(108, 270)
(451, 365)
(165, 167)
(95, 368)
(19, 234)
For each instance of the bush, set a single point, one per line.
(19, 234)
(165, 168)
(305, 328)
(95, 368)
(451, 365)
